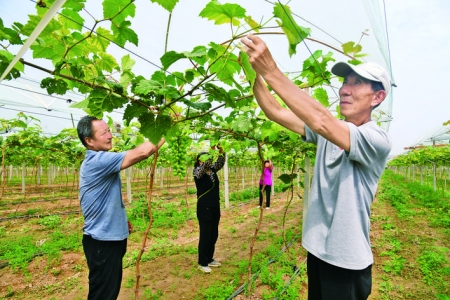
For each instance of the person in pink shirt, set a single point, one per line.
(265, 183)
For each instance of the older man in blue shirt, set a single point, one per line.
(106, 227)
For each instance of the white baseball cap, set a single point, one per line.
(369, 70)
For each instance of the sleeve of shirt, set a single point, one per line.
(368, 143)
(310, 136)
(200, 170)
(111, 162)
(218, 164)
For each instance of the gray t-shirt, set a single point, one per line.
(337, 223)
(104, 213)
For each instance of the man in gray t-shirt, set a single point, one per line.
(351, 156)
(106, 227)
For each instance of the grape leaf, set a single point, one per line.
(146, 86)
(127, 63)
(57, 86)
(247, 67)
(70, 19)
(153, 129)
(241, 124)
(225, 66)
(321, 95)
(123, 33)
(49, 51)
(171, 57)
(133, 110)
(287, 178)
(12, 74)
(101, 100)
(223, 13)
(295, 33)
(168, 5)
(81, 105)
(101, 40)
(106, 62)
(202, 106)
(75, 5)
(220, 94)
(252, 23)
(111, 9)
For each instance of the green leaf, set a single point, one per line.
(252, 23)
(6, 56)
(81, 105)
(168, 5)
(11, 35)
(146, 86)
(106, 62)
(202, 106)
(295, 33)
(70, 19)
(287, 178)
(101, 40)
(75, 5)
(12, 74)
(220, 94)
(123, 33)
(225, 64)
(153, 129)
(198, 55)
(353, 49)
(32, 23)
(321, 95)
(267, 131)
(247, 67)
(171, 57)
(101, 100)
(127, 63)
(223, 13)
(118, 10)
(134, 110)
(57, 86)
(50, 50)
(241, 124)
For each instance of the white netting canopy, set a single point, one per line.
(437, 137)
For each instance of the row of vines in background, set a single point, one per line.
(428, 165)
(42, 163)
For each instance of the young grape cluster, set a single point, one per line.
(178, 149)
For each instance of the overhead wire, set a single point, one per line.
(39, 93)
(123, 47)
(309, 50)
(35, 113)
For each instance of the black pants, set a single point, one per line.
(209, 232)
(268, 189)
(104, 259)
(328, 282)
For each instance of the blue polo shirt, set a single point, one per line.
(101, 201)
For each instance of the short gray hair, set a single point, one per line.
(84, 128)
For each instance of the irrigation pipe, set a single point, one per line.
(297, 271)
(272, 260)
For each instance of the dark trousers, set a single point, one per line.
(104, 259)
(328, 282)
(268, 189)
(209, 232)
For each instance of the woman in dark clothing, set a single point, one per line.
(208, 207)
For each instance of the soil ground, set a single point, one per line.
(176, 276)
